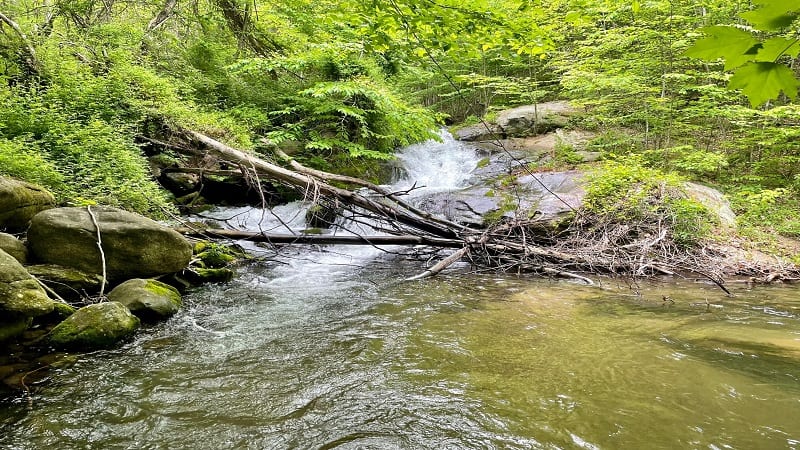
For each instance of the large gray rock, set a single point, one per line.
(20, 294)
(20, 201)
(479, 132)
(14, 247)
(149, 300)
(714, 200)
(530, 120)
(134, 246)
(92, 327)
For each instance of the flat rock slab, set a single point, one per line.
(134, 246)
(548, 197)
(20, 201)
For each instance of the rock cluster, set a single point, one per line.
(63, 256)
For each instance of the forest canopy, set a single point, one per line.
(704, 89)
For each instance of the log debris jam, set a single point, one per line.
(589, 244)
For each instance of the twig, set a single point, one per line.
(100, 247)
(441, 265)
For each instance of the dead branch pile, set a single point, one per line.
(591, 244)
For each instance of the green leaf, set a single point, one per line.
(773, 15)
(774, 48)
(724, 42)
(762, 81)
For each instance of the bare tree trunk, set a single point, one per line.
(163, 15)
(30, 62)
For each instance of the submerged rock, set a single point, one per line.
(14, 247)
(149, 300)
(20, 293)
(134, 246)
(92, 327)
(20, 201)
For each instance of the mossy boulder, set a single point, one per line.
(12, 326)
(71, 284)
(149, 300)
(93, 327)
(14, 247)
(198, 275)
(20, 293)
(20, 201)
(134, 246)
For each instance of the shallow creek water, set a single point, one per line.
(329, 348)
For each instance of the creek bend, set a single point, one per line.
(328, 348)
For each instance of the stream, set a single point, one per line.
(324, 348)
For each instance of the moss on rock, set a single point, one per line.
(92, 327)
(150, 300)
(19, 292)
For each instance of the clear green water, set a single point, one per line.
(353, 358)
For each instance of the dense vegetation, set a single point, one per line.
(344, 83)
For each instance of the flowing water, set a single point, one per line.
(328, 348)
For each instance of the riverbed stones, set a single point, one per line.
(20, 201)
(14, 247)
(92, 327)
(133, 245)
(149, 300)
(20, 294)
(12, 325)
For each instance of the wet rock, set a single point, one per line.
(149, 300)
(92, 327)
(20, 201)
(321, 216)
(198, 275)
(12, 325)
(530, 120)
(71, 284)
(179, 183)
(14, 247)
(134, 246)
(527, 196)
(19, 292)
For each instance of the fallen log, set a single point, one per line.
(314, 185)
(321, 239)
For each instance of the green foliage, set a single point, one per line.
(759, 73)
(625, 190)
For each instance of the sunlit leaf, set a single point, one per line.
(774, 48)
(729, 43)
(762, 81)
(772, 15)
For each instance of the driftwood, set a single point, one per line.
(321, 239)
